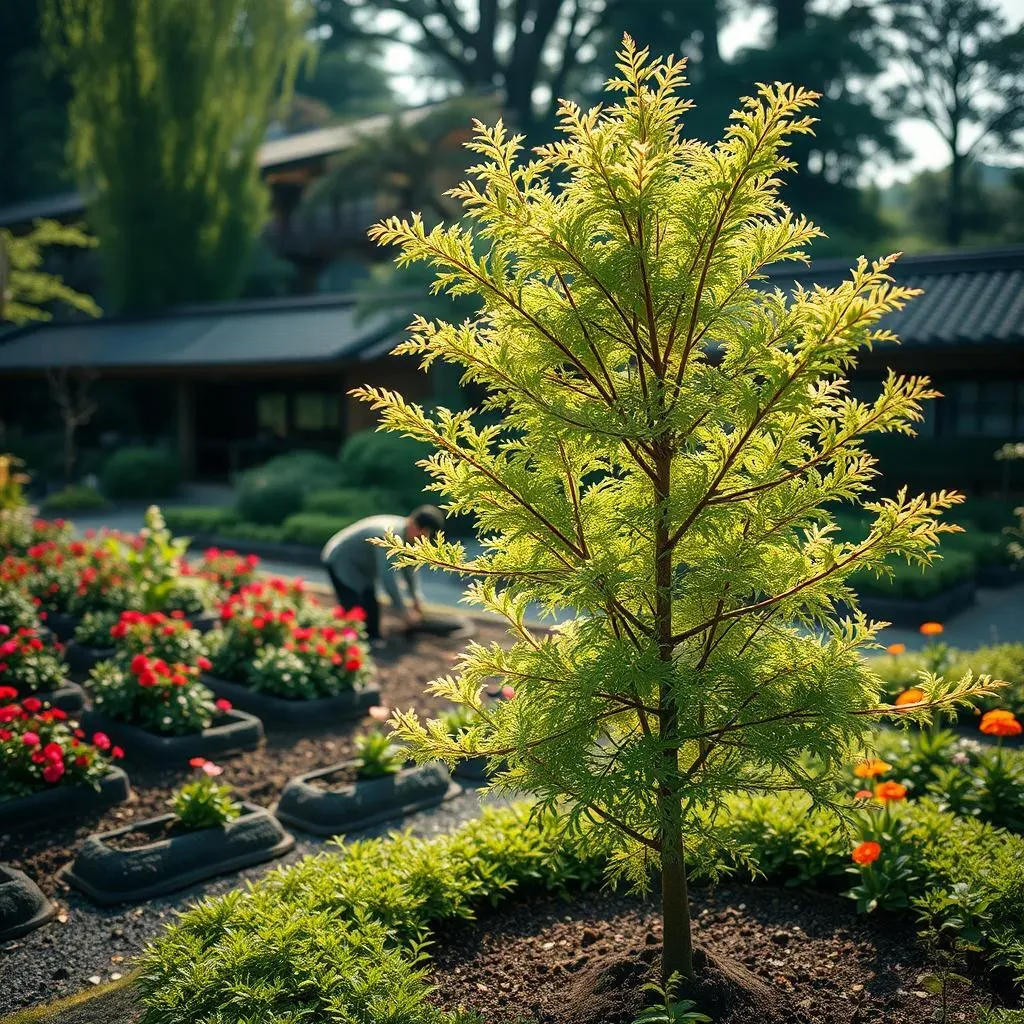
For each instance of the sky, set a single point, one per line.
(924, 144)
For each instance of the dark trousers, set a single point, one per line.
(367, 600)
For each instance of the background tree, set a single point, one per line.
(27, 291)
(171, 102)
(71, 390)
(681, 505)
(963, 73)
(531, 48)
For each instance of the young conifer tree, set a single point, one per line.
(673, 438)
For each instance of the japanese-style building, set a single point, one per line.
(229, 385)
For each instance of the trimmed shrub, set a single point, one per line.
(191, 519)
(915, 582)
(270, 493)
(313, 528)
(373, 458)
(141, 473)
(355, 502)
(74, 499)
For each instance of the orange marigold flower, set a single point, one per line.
(866, 853)
(931, 628)
(871, 767)
(911, 696)
(896, 648)
(1000, 723)
(863, 794)
(886, 791)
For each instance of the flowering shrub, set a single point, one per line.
(162, 698)
(17, 609)
(170, 637)
(94, 629)
(313, 662)
(27, 663)
(39, 748)
(190, 595)
(229, 570)
(204, 803)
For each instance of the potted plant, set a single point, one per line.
(35, 667)
(459, 723)
(48, 767)
(263, 660)
(23, 908)
(17, 609)
(378, 784)
(207, 833)
(226, 569)
(161, 711)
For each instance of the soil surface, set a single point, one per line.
(87, 942)
(766, 955)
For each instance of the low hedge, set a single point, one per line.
(313, 528)
(916, 583)
(75, 498)
(141, 474)
(189, 519)
(269, 494)
(339, 936)
(354, 502)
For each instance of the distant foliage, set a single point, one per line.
(140, 474)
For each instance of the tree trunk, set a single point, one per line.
(677, 952)
(955, 199)
(69, 451)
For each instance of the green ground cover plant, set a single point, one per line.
(673, 440)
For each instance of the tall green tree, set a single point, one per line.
(171, 102)
(963, 74)
(677, 493)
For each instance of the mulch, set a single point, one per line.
(765, 955)
(405, 666)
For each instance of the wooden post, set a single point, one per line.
(186, 428)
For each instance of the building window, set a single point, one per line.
(272, 414)
(991, 408)
(317, 411)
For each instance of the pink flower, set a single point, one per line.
(30, 739)
(101, 740)
(211, 769)
(507, 692)
(379, 713)
(223, 704)
(117, 753)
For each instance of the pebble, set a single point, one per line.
(781, 938)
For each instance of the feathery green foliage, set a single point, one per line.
(673, 438)
(28, 289)
(171, 102)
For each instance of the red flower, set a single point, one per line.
(259, 623)
(204, 663)
(53, 752)
(5, 734)
(352, 665)
(58, 714)
(222, 704)
(101, 740)
(82, 760)
(8, 693)
(147, 678)
(116, 752)
(53, 772)
(139, 663)
(197, 762)
(30, 739)
(10, 712)
(357, 614)
(32, 704)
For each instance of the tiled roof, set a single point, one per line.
(320, 330)
(970, 298)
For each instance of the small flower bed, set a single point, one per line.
(40, 748)
(94, 630)
(314, 661)
(227, 569)
(170, 637)
(27, 663)
(162, 698)
(204, 803)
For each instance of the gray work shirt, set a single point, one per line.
(359, 564)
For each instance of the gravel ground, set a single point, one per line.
(89, 944)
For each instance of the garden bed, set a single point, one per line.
(58, 804)
(23, 908)
(333, 801)
(282, 711)
(233, 732)
(152, 857)
(780, 957)
(69, 697)
(403, 670)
